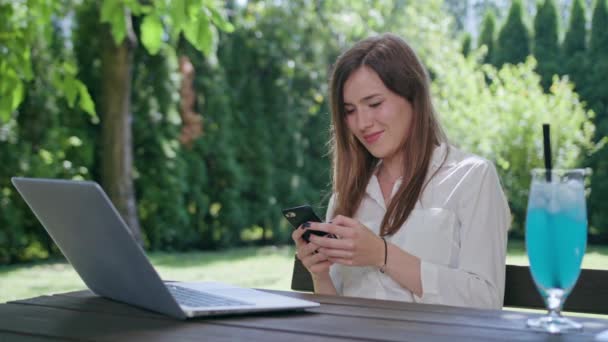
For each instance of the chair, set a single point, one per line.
(590, 295)
(300, 278)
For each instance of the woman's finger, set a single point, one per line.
(306, 249)
(345, 221)
(310, 248)
(313, 259)
(332, 228)
(332, 243)
(302, 250)
(297, 236)
(336, 253)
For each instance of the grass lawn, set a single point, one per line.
(265, 267)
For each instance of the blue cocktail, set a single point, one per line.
(556, 238)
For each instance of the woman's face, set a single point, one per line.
(379, 118)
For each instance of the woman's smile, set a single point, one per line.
(373, 137)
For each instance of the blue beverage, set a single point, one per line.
(556, 238)
(556, 243)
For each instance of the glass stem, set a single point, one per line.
(555, 302)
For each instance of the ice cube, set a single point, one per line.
(571, 193)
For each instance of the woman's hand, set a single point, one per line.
(356, 245)
(316, 263)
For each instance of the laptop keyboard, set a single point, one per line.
(193, 298)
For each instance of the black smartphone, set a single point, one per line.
(299, 215)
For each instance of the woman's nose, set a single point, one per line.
(365, 119)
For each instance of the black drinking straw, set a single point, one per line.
(547, 148)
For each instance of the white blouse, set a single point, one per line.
(458, 229)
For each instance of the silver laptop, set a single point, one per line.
(91, 234)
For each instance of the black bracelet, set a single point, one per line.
(383, 267)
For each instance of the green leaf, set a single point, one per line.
(193, 8)
(178, 14)
(119, 29)
(56, 80)
(152, 33)
(137, 8)
(108, 10)
(205, 36)
(69, 68)
(191, 32)
(5, 111)
(28, 74)
(86, 102)
(220, 21)
(18, 94)
(199, 34)
(113, 13)
(70, 89)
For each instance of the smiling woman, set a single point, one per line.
(417, 219)
(374, 112)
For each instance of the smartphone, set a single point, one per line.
(299, 215)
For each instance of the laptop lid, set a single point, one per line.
(91, 234)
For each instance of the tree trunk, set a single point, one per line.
(192, 122)
(116, 141)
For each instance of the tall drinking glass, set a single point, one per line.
(556, 238)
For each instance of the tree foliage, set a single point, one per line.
(466, 44)
(595, 92)
(504, 122)
(486, 37)
(196, 19)
(546, 42)
(599, 36)
(265, 127)
(574, 46)
(25, 28)
(513, 44)
(576, 35)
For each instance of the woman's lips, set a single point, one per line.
(371, 138)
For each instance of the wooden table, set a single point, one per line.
(84, 316)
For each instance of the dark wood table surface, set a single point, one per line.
(84, 316)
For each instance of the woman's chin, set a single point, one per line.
(377, 153)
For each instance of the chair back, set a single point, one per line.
(300, 278)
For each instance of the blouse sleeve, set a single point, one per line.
(478, 279)
(334, 270)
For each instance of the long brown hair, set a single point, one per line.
(402, 72)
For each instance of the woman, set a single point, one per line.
(416, 219)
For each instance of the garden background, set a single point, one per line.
(202, 118)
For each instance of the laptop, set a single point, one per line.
(91, 234)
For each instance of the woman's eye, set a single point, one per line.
(374, 105)
(349, 111)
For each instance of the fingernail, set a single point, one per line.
(306, 225)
